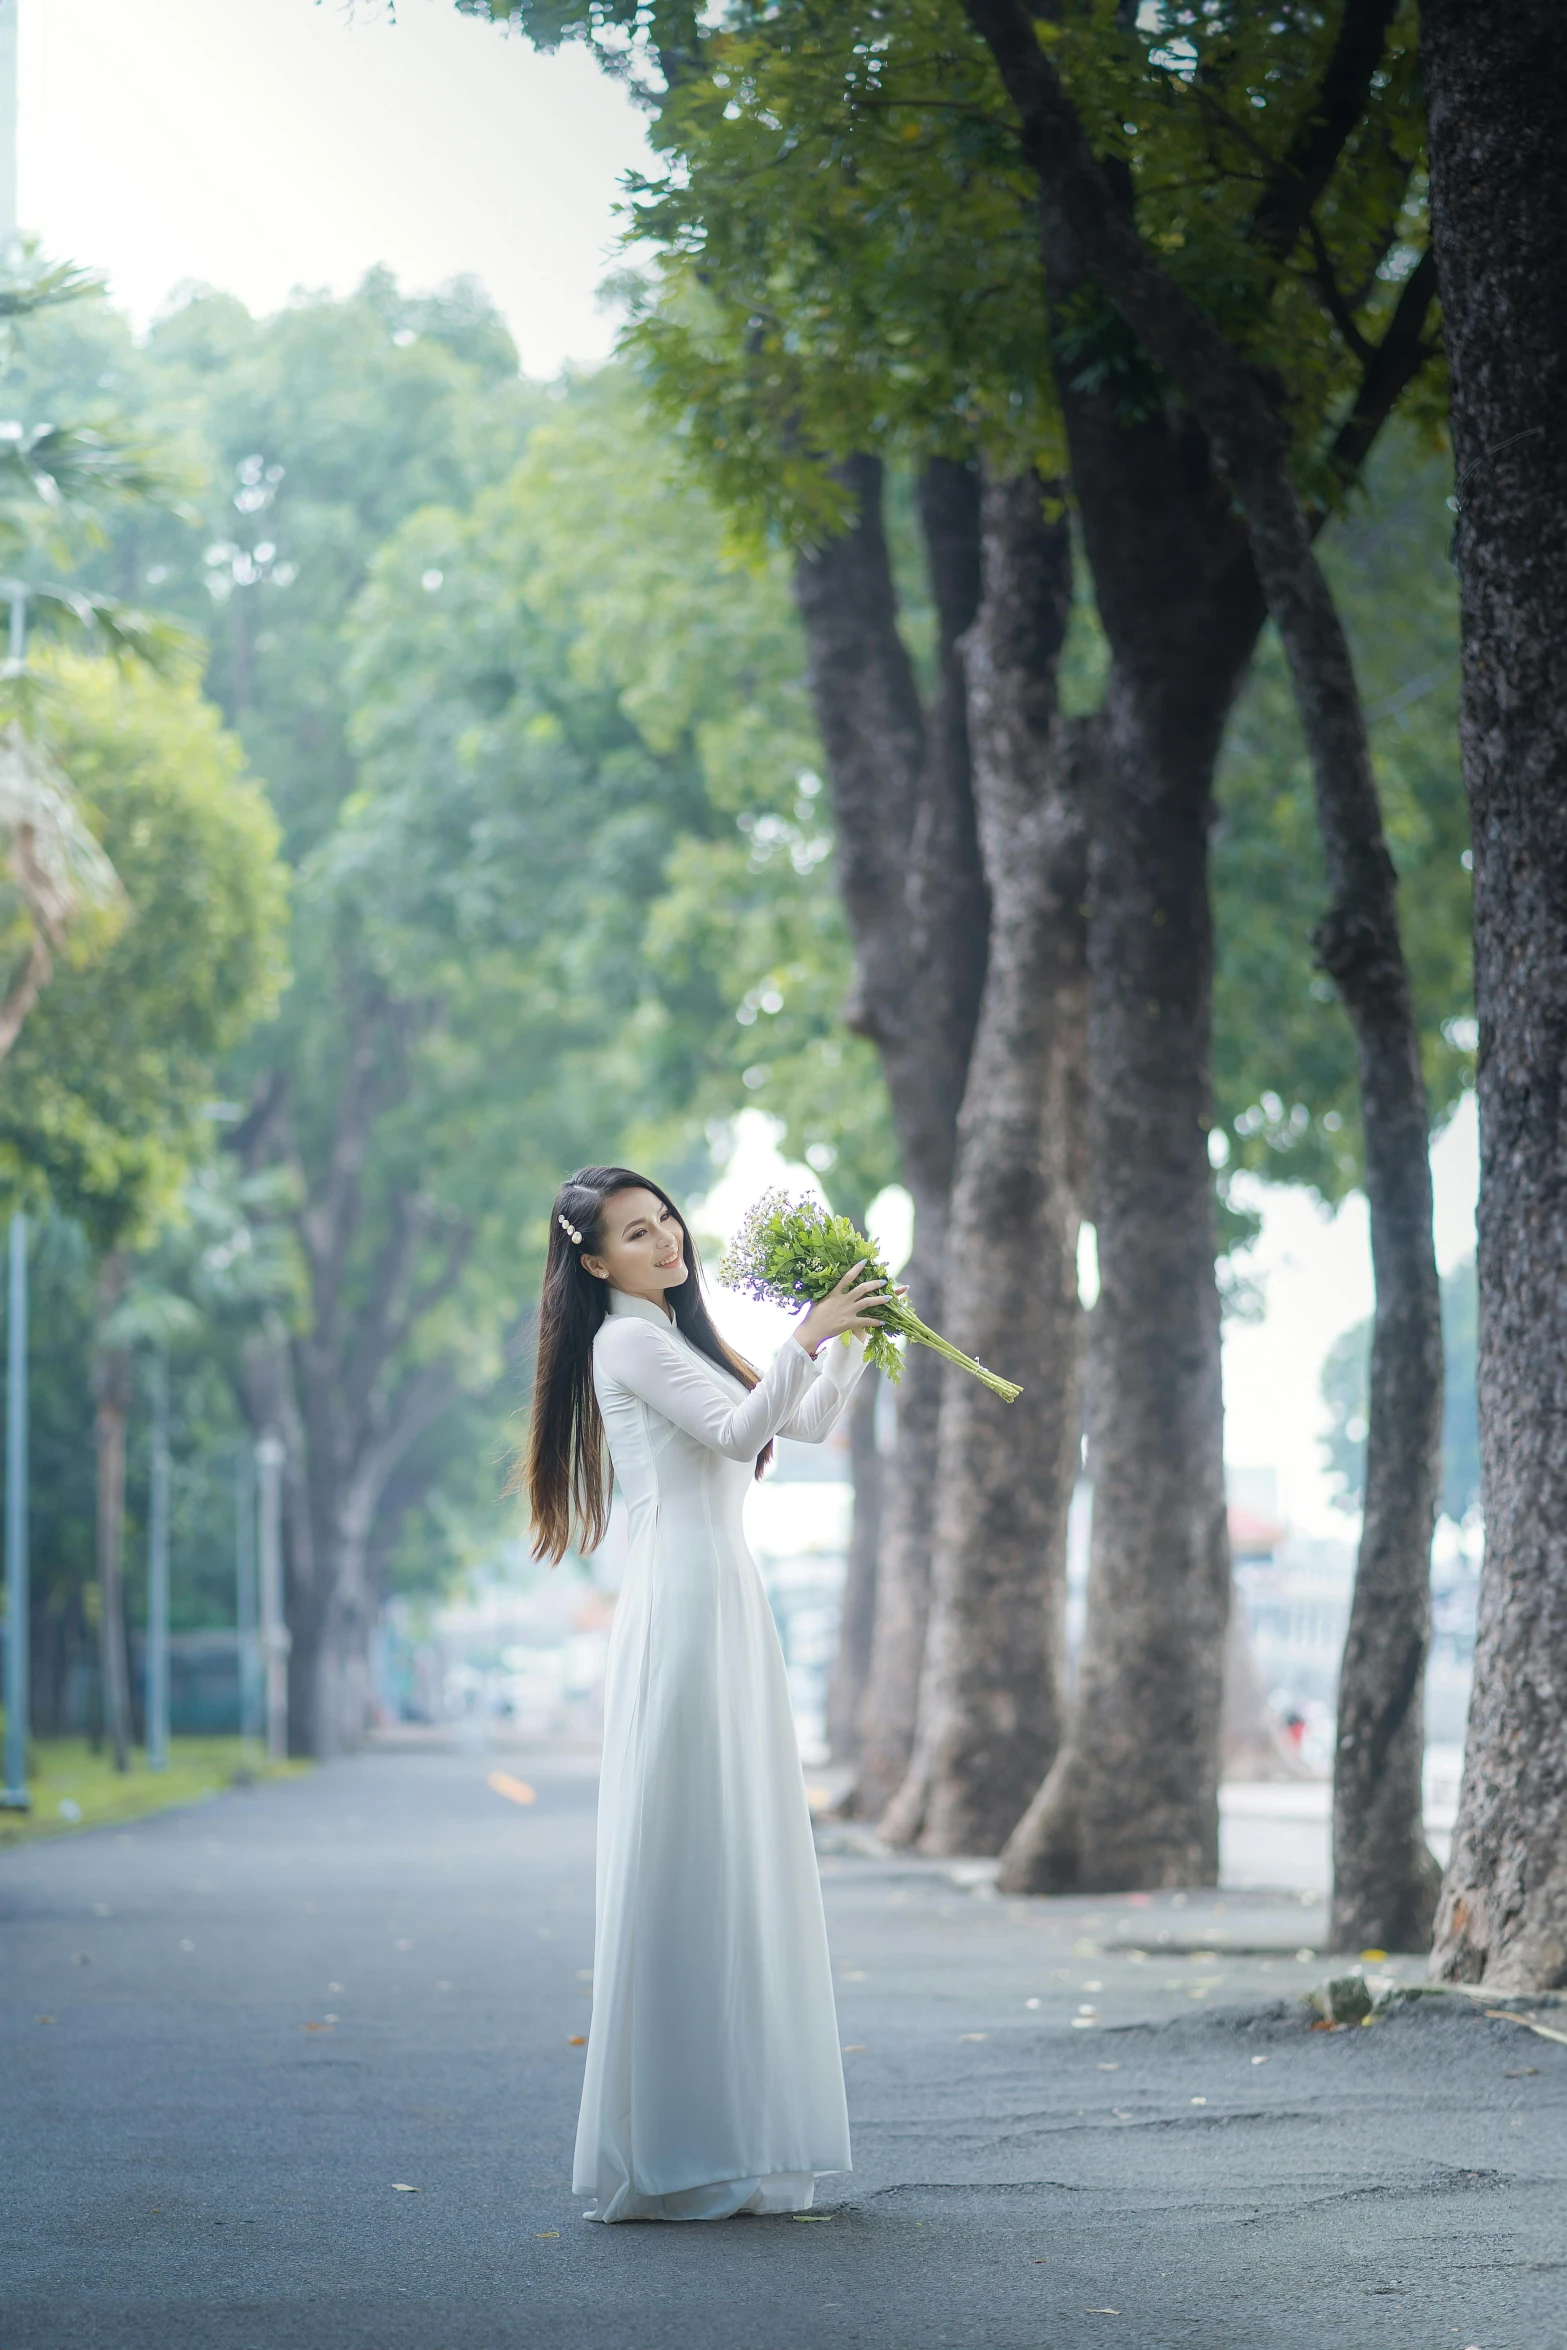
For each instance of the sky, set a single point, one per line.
(260, 145)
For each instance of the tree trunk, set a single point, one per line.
(857, 1616)
(346, 1398)
(1132, 1799)
(914, 892)
(1494, 78)
(112, 1391)
(1384, 1876)
(992, 1689)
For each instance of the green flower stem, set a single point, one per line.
(912, 1327)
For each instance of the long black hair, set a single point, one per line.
(564, 1472)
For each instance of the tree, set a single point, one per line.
(1499, 214)
(789, 202)
(1344, 1392)
(108, 1087)
(1384, 1876)
(55, 481)
(108, 1081)
(994, 1674)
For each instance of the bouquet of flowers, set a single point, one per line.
(792, 1252)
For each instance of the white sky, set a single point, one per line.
(261, 145)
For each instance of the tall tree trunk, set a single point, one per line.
(1495, 79)
(992, 1689)
(343, 1394)
(914, 892)
(857, 1616)
(1384, 1877)
(112, 1393)
(1132, 1799)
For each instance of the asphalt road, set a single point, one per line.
(233, 2035)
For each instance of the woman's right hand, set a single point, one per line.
(843, 1308)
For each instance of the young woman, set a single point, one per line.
(714, 2083)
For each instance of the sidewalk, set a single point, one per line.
(299, 2070)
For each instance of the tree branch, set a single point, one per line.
(1390, 367)
(1308, 163)
(1333, 301)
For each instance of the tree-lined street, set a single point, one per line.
(271, 2012)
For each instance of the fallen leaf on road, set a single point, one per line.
(399, 2189)
(43, 2019)
(514, 1790)
(1322, 2025)
(810, 2215)
(321, 2026)
(543, 2233)
(1524, 2073)
(577, 2040)
(854, 2048)
(1374, 1955)
(1101, 2313)
(1040, 2258)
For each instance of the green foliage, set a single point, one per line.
(613, 708)
(1345, 1390)
(791, 1251)
(103, 1097)
(846, 252)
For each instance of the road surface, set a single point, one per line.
(298, 2070)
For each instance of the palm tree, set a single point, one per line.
(55, 482)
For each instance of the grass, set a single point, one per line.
(66, 1771)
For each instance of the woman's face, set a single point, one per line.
(641, 1247)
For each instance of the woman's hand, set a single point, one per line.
(843, 1308)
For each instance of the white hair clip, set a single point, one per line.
(571, 1232)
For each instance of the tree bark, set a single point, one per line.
(342, 1394)
(1499, 206)
(992, 1689)
(914, 892)
(112, 1392)
(1384, 1877)
(1132, 1799)
(857, 1617)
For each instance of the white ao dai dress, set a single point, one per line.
(714, 2080)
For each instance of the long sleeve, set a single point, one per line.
(819, 1410)
(657, 1369)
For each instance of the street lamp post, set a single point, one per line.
(245, 1593)
(14, 1796)
(158, 1569)
(275, 1641)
